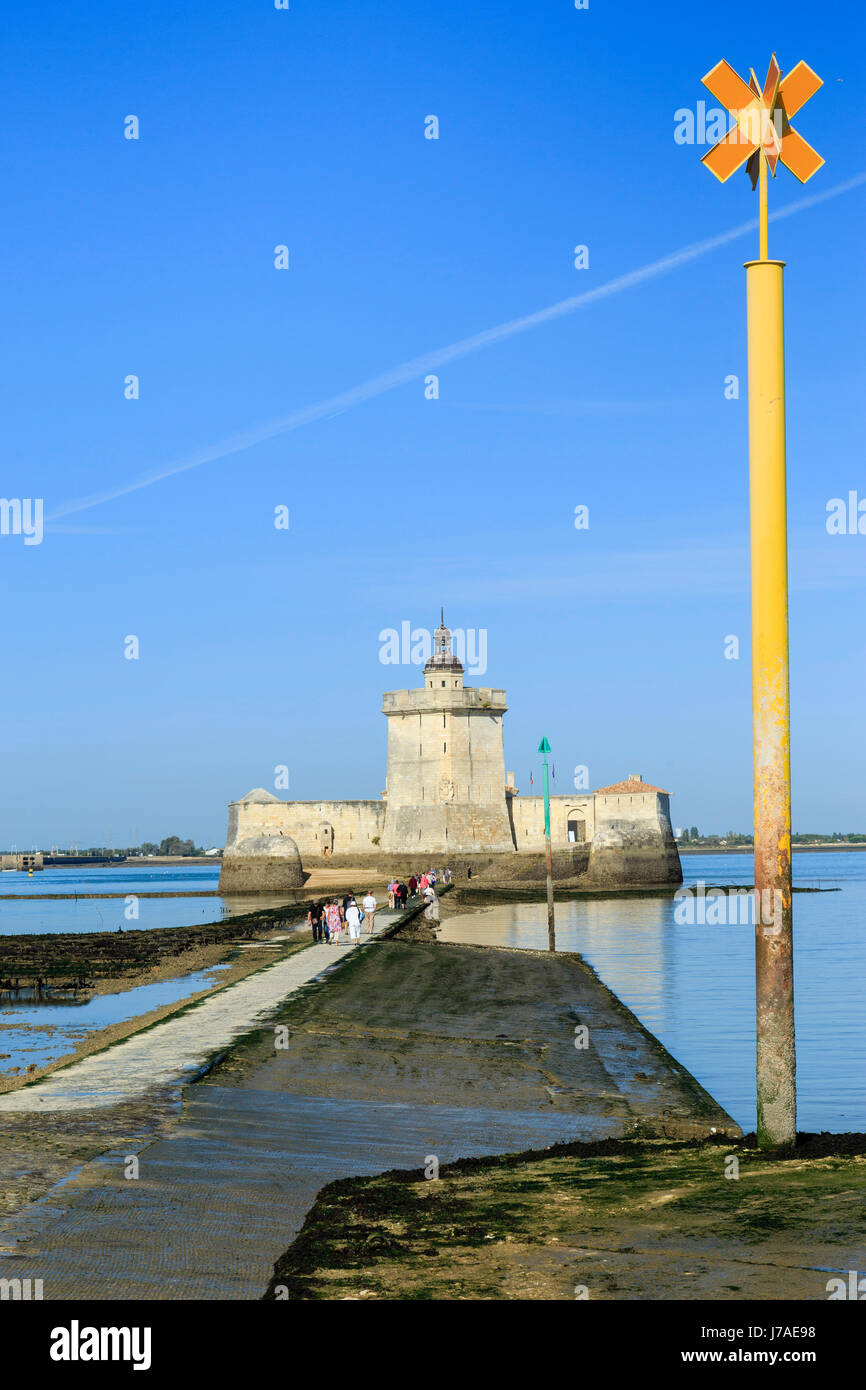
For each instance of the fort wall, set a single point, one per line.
(569, 816)
(633, 841)
(317, 827)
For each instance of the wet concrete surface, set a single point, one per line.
(407, 1052)
(465, 1025)
(177, 1048)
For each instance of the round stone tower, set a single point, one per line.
(258, 856)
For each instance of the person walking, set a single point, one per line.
(413, 884)
(402, 895)
(349, 898)
(424, 882)
(353, 921)
(335, 922)
(392, 889)
(447, 875)
(369, 911)
(316, 919)
(468, 870)
(431, 911)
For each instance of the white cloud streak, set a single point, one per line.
(440, 357)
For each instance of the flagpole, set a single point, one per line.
(544, 749)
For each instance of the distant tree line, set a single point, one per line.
(837, 838)
(734, 837)
(171, 845)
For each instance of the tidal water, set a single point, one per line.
(90, 915)
(40, 1032)
(694, 986)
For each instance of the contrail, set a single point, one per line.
(420, 366)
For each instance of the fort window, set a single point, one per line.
(576, 830)
(443, 685)
(445, 748)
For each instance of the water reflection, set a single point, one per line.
(694, 987)
(44, 995)
(31, 1033)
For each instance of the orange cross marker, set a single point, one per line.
(762, 121)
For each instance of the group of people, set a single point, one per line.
(424, 883)
(327, 919)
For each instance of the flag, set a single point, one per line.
(530, 779)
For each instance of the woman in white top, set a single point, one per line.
(353, 921)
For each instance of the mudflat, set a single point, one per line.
(619, 1219)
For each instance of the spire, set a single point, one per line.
(443, 659)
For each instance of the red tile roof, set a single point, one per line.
(633, 784)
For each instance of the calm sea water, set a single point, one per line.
(88, 915)
(694, 986)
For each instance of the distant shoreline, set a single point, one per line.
(748, 849)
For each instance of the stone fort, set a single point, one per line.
(447, 795)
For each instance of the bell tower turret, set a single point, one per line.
(444, 670)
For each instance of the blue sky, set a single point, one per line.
(260, 647)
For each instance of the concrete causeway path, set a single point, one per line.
(219, 1198)
(173, 1050)
(411, 1052)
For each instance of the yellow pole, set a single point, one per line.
(762, 194)
(776, 1072)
